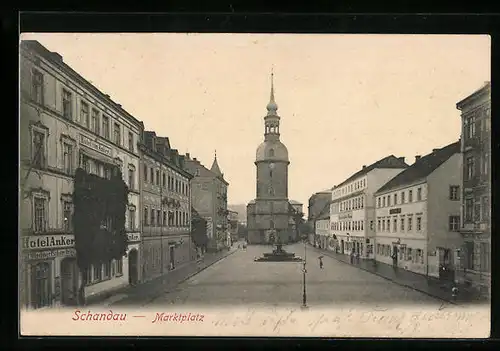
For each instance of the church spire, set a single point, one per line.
(215, 166)
(272, 107)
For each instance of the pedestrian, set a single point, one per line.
(321, 262)
(351, 256)
(454, 293)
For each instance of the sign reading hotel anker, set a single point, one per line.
(48, 241)
(133, 237)
(95, 145)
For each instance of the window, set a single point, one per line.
(68, 158)
(395, 199)
(145, 172)
(469, 247)
(151, 175)
(470, 167)
(84, 114)
(163, 180)
(402, 224)
(131, 178)
(95, 121)
(454, 192)
(131, 141)
(152, 222)
(271, 152)
(157, 177)
(484, 255)
(67, 104)
(477, 212)
(131, 218)
(37, 87)
(395, 225)
(146, 215)
(419, 224)
(410, 224)
(469, 207)
(105, 127)
(38, 150)
(67, 216)
(454, 223)
(40, 214)
(88, 275)
(378, 225)
(158, 217)
(470, 127)
(164, 218)
(419, 194)
(383, 224)
(486, 164)
(388, 225)
(485, 206)
(388, 200)
(378, 202)
(410, 195)
(371, 225)
(117, 134)
(97, 272)
(383, 201)
(402, 197)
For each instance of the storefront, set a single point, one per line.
(50, 270)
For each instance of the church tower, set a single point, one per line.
(268, 215)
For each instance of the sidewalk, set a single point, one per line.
(143, 293)
(427, 285)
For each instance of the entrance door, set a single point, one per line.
(395, 256)
(41, 287)
(342, 246)
(133, 266)
(446, 271)
(69, 286)
(172, 257)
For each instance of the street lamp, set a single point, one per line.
(304, 271)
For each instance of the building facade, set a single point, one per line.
(475, 257)
(268, 216)
(233, 225)
(352, 211)
(67, 123)
(209, 192)
(316, 205)
(418, 215)
(322, 229)
(166, 208)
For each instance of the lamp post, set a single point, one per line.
(304, 271)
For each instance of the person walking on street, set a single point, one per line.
(321, 262)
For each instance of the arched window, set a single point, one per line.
(41, 292)
(271, 152)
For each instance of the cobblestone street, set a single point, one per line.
(238, 280)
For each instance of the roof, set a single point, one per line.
(422, 167)
(293, 202)
(484, 89)
(215, 168)
(387, 162)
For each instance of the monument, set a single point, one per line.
(278, 254)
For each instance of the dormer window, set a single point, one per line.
(271, 152)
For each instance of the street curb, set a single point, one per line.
(191, 275)
(391, 280)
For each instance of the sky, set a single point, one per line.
(345, 100)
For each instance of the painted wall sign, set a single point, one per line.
(133, 237)
(95, 145)
(395, 210)
(345, 216)
(43, 255)
(48, 241)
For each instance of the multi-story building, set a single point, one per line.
(209, 199)
(317, 203)
(475, 262)
(67, 123)
(322, 228)
(166, 206)
(352, 211)
(233, 225)
(418, 215)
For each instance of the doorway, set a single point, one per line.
(342, 246)
(395, 256)
(69, 286)
(446, 271)
(172, 257)
(133, 264)
(41, 291)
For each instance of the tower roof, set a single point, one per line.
(272, 107)
(215, 167)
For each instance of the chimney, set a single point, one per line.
(119, 105)
(402, 159)
(434, 150)
(57, 56)
(187, 155)
(364, 166)
(417, 157)
(194, 159)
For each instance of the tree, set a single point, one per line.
(198, 230)
(99, 221)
